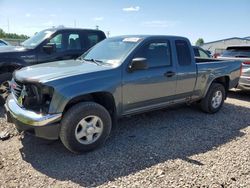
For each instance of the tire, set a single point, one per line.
(212, 104)
(78, 122)
(3, 86)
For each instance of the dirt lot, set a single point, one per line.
(176, 147)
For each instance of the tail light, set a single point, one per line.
(246, 62)
(243, 63)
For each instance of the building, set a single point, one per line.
(217, 47)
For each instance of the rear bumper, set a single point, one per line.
(244, 83)
(44, 126)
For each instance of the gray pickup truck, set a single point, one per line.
(79, 100)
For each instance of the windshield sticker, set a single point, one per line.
(131, 39)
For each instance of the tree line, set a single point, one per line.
(199, 42)
(11, 35)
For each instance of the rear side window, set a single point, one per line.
(156, 53)
(183, 52)
(93, 38)
(196, 52)
(74, 42)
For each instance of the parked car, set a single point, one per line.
(241, 53)
(79, 100)
(200, 52)
(48, 45)
(3, 43)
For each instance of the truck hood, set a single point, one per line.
(7, 49)
(56, 70)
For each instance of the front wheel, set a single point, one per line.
(85, 126)
(214, 98)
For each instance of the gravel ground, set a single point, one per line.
(175, 147)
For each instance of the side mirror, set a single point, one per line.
(49, 48)
(138, 64)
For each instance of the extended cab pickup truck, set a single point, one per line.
(48, 45)
(79, 100)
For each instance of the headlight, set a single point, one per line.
(38, 97)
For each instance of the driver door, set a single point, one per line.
(155, 86)
(67, 45)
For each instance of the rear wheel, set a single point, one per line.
(214, 98)
(4, 86)
(85, 126)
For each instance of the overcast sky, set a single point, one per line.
(209, 19)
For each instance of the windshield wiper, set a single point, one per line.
(97, 62)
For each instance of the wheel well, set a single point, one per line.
(224, 81)
(103, 98)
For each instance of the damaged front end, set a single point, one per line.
(32, 96)
(28, 108)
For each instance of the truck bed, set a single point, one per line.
(202, 60)
(209, 69)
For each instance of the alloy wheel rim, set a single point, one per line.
(217, 99)
(89, 129)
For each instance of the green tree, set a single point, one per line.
(199, 42)
(1, 33)
(11, 35)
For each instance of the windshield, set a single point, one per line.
(32, 42)
(236, 52)
(112, 50)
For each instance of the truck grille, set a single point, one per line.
(16, 88)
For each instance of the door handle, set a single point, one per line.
(169, 74)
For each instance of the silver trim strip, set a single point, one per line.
(29, 117)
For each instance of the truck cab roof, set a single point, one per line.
(151, 36)
(70, 29)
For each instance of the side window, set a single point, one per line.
(156, 53)
(93, 39)
(183, 52)
(74, 42)
(57, 40)
(196, 52)
(203, 54)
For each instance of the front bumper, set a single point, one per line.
(42, 125)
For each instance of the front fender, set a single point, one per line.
(69, 88)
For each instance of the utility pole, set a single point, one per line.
(75, 23)
(8, 25)
(97, 27)
(108, 34)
